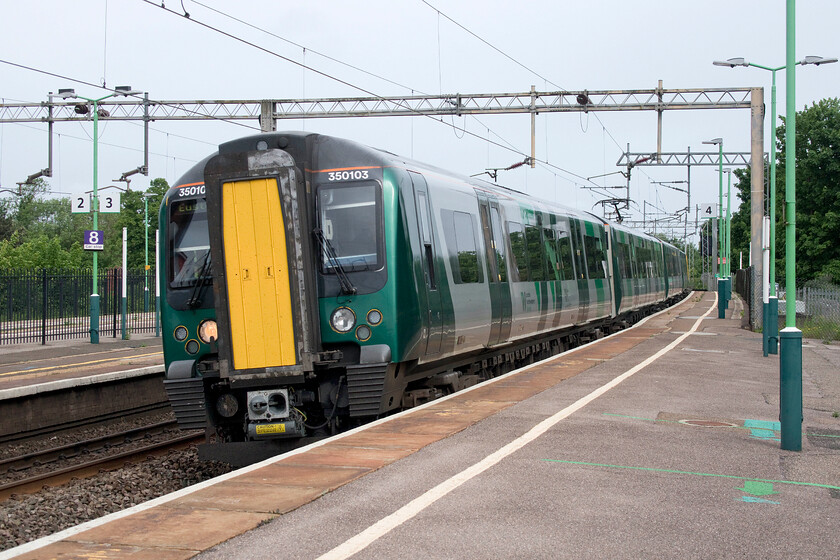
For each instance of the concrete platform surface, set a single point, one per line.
(25, 365)
(659, 442)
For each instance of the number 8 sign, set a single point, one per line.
(94, 240)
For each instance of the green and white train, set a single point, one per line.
(311, 283)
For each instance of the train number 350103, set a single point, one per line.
(355, 175)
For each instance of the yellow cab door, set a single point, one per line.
(257, 272)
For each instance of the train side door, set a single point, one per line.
(425, 226)
(494, 243)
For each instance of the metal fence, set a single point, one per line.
(817, 311)
(38, 305)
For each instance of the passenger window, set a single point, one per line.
(564, 248)
(499, 241)
(469, 271)
(595, 256)
(519, 254)
(535, 253)
(552, 256)
(461, 246)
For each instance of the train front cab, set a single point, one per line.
(243, 200)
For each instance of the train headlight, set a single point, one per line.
(363, 333)
(227, 405)
(192, 346)
(374, 317)
(343, 319)
(181, 333)
(208, 331)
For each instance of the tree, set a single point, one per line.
(40, 251)
(817, 184)
(39, 232)
(740, 219)
(36, 231)
(131, 216)
(817, 200)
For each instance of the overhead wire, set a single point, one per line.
(337, 79)
(97, 86)
(508, 145)
(303, 47)
(518, 63)
(362, 70)
(105, 46)
(89, 138)
(136, 96)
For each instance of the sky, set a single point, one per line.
(400, 47)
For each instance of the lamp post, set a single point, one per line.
(790, 338)
(771, 309)
(146, 197)
(721, 270)
(728, 241)
(67, 94)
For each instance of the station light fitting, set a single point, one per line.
(817, 60)
(731, 62)
(740, 61)
(126, 90)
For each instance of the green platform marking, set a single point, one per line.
(745, 427)
(762, 429)
(758, 488)
(713, 475)
(754, 500)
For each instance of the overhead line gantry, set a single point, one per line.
(269, 111)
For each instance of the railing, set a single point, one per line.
(38, 305)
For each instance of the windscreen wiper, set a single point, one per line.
(198, 290)
(347, 287)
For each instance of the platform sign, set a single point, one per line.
(708, 210)
(109, 202)
(80, 204)
(94, 240)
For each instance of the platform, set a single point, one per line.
(659, 441)
(28, 365)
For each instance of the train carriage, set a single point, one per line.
(311, 283)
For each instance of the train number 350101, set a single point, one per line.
(194, 190)
(355, 175)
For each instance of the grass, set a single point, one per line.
(821, 328)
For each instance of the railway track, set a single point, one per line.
(30, 472)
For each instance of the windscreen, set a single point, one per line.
(189, 243)
(349, 220)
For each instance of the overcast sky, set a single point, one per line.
(594, 45)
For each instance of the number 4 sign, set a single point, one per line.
(708, 210)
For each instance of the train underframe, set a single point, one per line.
(281, 414)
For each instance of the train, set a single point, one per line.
(310, 283)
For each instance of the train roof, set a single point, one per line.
(331, 144)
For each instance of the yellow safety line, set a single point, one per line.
(78, 364)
